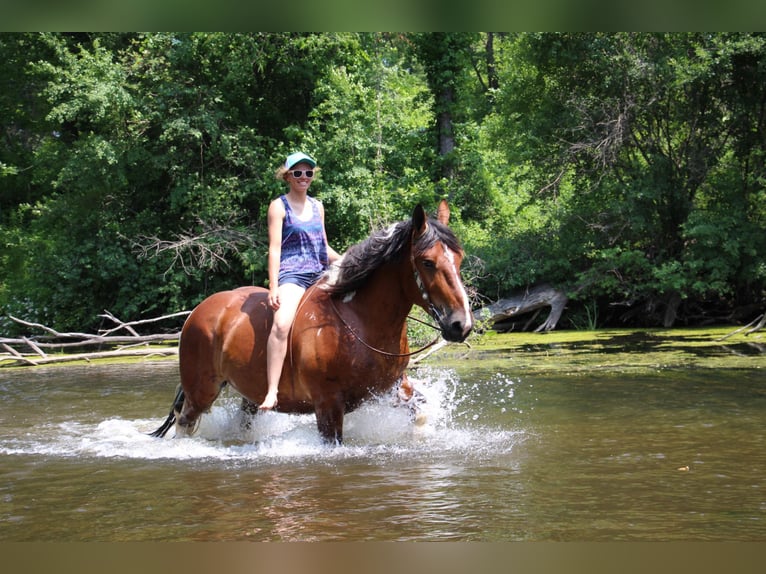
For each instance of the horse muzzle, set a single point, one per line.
(455, 327)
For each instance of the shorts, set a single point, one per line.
(304, 280)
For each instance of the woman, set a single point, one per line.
(298, 255)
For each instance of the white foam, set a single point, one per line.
(377, 427)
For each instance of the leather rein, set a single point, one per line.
(431, 310)
(381, 351)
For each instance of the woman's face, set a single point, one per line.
(303, 180)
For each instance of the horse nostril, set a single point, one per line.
(456, 332)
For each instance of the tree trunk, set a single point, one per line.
(446, 133)
(532, 299)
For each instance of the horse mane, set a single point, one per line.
(383, 246)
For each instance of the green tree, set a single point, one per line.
(630, 135)
(135, 169)
(369, 128)
(153, 165)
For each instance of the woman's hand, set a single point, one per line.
(273, 299)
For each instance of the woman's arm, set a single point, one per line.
(276, 217)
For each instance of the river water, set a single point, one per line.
(495, 456)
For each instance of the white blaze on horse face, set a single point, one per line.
(458, 281)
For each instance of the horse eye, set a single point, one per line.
(428, 264)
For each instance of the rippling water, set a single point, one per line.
(674, 456)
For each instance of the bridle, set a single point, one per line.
(432, 311)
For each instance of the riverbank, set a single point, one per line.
(561, 351)
(612, 350)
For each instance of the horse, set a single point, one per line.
(348, 341)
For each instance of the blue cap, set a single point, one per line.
(299, 157)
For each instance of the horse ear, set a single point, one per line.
(443, 213)
(419, 223)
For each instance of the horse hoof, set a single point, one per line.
(420, 419)
(186, 431)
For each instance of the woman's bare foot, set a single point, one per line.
(269, 402)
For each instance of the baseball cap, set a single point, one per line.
(299, 157)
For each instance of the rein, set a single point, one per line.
(375, 349)
(431, 309)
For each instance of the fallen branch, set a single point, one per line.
(759, 326)
(120, 325)
(123, 345)
(146, 353)
(760, 319)
(417, 358)
(54, 343)
(35, 347)
(18, 355)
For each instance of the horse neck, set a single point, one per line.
(390, 291)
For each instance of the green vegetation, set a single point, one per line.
(582, 353)
(626, 168)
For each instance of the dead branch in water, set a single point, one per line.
(760, 320)
(118, 345)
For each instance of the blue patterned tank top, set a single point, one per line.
(304, 250)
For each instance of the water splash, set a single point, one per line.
(434, 423)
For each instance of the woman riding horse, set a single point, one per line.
(349, 338)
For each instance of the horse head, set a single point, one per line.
(436, 257)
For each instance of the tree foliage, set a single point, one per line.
(136, 169)
(650, 147)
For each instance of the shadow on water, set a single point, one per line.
(647, 342)
(621, 350)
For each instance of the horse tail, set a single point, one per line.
(178, 402)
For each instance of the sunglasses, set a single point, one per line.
(297, 173)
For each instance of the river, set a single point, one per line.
(675, 454)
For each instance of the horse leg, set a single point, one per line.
(188, 419)
(247, 409)
(410, 397)
(201, 390)
(186, 424)
(329, 413)
(406, 389)
(184, 414)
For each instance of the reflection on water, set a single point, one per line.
(677, 455)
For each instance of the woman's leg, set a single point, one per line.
(276, 347)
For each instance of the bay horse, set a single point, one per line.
(349, 338)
